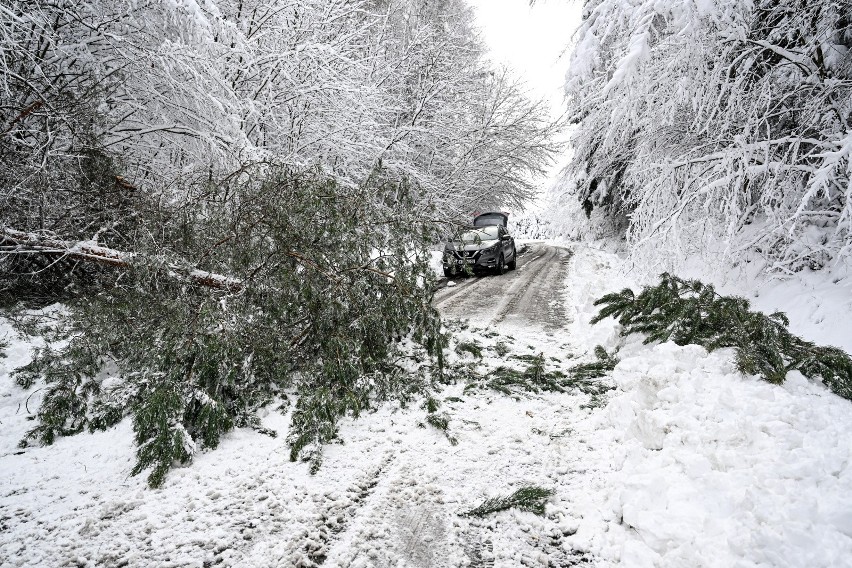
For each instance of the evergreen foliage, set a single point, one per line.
(605, 363)
(529, 498)
(333, 296)
(536, 378)
(501, 349)
(469, 347)
(688, 311)
(92, 196)
(440, 420)
(431, 404)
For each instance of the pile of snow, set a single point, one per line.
(710, 467)
(716, 469)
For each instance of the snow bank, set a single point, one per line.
(724, 470)
(710, 467)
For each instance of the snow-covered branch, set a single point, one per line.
(19, 242)
(699, 122)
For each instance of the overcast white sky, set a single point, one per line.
(531, 40)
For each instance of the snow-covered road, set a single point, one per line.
(530, 296)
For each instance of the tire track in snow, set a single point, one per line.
(531, 294)
(405, 525)
(519, 290)
(448, 299)
(449, 292)
(336, 517)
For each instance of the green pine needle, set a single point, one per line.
(690, 312)
(605, 364)
(530, 498)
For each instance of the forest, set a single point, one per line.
(715, 128)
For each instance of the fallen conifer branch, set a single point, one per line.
(19, 242)
(530, 498)
(691, 312)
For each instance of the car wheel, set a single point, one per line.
(501, 266)
(448, 273)
(514, 263)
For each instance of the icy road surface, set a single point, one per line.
(529, 296)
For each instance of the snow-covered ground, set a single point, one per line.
(711, 468)
(688, 463)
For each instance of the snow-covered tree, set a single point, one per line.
(178, 94)
(471, 133)
(717, 126)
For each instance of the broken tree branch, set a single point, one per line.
(19, 242)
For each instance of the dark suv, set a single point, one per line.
(485, 247)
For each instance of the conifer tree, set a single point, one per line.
(332, 292)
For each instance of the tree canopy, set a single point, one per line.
(723, 126)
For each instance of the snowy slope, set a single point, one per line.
(688, 464)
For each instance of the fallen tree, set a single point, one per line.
(20, 242)
(308, 312)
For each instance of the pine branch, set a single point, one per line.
(605, 364)
(530, 498)
(690, 312)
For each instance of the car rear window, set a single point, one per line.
(487, 219)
